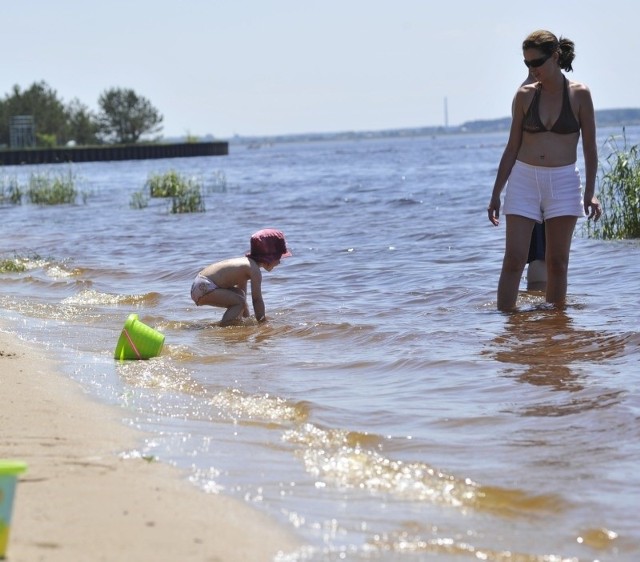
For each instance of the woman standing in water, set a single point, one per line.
(538, 166)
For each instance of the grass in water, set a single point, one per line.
(619, 194)
(47, 189)
(11, 265)
(139, 200)
(18, 263)
(165, 185)
(10, 191)
(185, 193)
(188, 200)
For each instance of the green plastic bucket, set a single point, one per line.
(138, 341)
(9, 470)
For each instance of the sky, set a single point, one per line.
(277, 67)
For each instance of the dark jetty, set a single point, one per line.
(105, 153)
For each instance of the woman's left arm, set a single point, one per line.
(590, 149)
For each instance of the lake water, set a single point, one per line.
(386, 411)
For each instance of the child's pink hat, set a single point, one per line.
(268, 246)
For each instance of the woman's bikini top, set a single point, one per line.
(566, 123)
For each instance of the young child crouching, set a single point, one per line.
(224, 283)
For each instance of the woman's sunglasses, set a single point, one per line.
(535, 63)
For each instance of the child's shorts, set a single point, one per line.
(541, 193)
(201, 286)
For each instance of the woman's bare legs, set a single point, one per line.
(516, 252)
(559, 232)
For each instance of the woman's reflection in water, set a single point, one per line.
(556, 354)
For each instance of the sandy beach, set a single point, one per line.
(81, 501)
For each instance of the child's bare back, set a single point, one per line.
(224, 283)
(232, 272)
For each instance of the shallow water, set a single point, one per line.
(386, 411)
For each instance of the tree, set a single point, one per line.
(41, 102)
(83, 124)
(125, 116)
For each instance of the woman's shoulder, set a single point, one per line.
(579, 93)
(524, 95)
(527, 89)
(578, 87)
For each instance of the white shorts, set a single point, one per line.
(541, 193)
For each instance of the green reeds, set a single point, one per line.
(188, 200)
(48, 189)
(11, 265)
(139, 200)
(10, 191)
(18, 263)
(185, 193)
(619, 194)
(165, 185)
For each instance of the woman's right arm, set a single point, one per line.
(508, 157)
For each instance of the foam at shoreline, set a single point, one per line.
(81, 499)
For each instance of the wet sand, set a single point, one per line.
(81, 500)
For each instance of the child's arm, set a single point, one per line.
(245, 310)
(258, 306)
(256, 294)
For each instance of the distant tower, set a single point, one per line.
(22, 132)
(446, 114)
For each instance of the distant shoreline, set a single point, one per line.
(604, 118)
